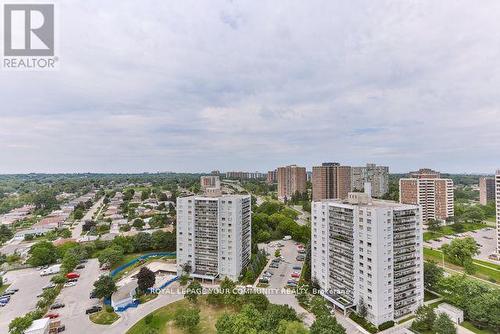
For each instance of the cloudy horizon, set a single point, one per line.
(190, 86)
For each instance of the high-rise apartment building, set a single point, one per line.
(486, 190)
(433, 193)
(272, 177)
(368, 252)
(214, 235)
(497, 196)
(330, 180)
(291, 180)
(378, 176)
(209, 181)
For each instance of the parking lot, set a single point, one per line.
(30, 284)
(484, 237)
(283, 273)
(77, 300)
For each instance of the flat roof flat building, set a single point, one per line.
(368, 252)
(433, 193)
(291, 180)
(214, 235)
(330, 181)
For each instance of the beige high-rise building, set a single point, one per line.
(486, 190)
(331, 181)
(378, 176)
(427, 188)
(497, 200)
(291, 180)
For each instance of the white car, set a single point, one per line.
(69, 284)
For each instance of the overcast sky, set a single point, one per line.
(251, 85)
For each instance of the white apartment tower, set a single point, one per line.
(371, 252)
(214, 235)
(497, 201)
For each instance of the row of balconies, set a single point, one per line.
(404, 280)
(405, 273)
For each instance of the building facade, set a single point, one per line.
(291, 180)
(245, 175)
(377, 176)
(214, 235)
(368, 252)
(209, 181)
(486, 190)
(272, 177)
(330, 181)
(429, 190)
(497, 196)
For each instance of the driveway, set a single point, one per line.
(30, 284)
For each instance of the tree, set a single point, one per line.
(138, 223)
(5, 233)
(424, 318)
(432, 275)
(143, 241)
(258, 300)
(104, 287)
(187, 318)
(460, 251)
(318, 306)
(484, 309)
(145, 279)
(111, 255)
(78, 214)
(42, 253)
(362, 309)
(444, 325)
(193, 290)
(20, 324)
(326, 324)
(70, 261)
(433, 224)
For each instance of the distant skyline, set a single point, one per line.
(193, 86)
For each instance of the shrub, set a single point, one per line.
(109, 308)
(385, 325)
(363, 322)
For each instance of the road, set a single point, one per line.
(77, 231)
(304, 217)
(30, 284)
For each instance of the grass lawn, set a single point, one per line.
(162, 321)
(489, 274)
(104, 318)
(429, 296)
(4, 287)
(474, 329)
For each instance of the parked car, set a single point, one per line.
(291, 281)
(93, 309)
(92, 295)
(302, 251)
(49, 286)
(69, 284)
(297, 268)
(295, 275)
(52, 315)
(300, 258)
(263, 280)
(80, 266)
(274, 265)
(72, 280)
(61, 328)
(72, 275)
(57, 305)
(105, 266)
(5, 299)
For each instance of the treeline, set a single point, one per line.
(273, 220)
(110, 252)
(479, 301)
